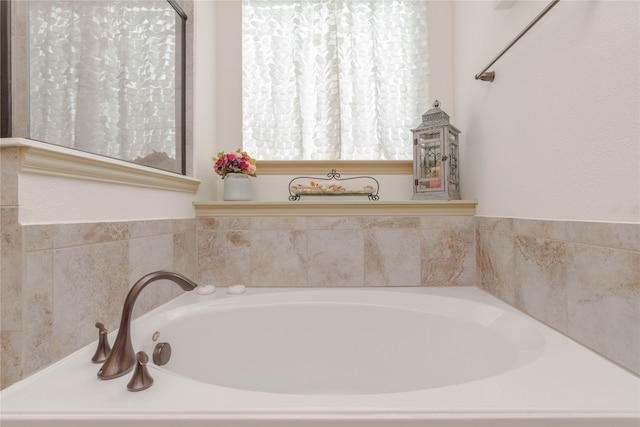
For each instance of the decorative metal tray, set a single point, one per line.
(333, 185)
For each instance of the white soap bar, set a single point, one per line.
(236, 289)
(205, 290)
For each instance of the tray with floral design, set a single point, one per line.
(333, 185)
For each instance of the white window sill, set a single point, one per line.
(346, 167)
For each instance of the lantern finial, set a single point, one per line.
(436, 104)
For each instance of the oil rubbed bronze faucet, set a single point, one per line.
(122, 358)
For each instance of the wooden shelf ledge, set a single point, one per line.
(336, 208)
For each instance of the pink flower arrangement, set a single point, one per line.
(238, 162)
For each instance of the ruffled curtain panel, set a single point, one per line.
(102, 76)
(333, 79)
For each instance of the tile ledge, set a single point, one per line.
(336, 208)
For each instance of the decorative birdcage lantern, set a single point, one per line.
(435, 157)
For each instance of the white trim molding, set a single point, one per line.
(37, 158)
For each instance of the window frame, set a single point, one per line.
(228, 47)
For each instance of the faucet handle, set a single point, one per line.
(141, 379)
(103, 345)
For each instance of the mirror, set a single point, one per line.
(107, 77)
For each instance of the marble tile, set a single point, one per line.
(147, 255)
(336, 258)
(537, 228)
(447, 257)
(10, 362)
(278, 223)
(138, 229)
(235, 223)
(581, 278)
(208, 224)
(541, 277)
(37, 237)
(603, 302)
(607, 234)
(224, 257)
(185, 253)
(69, 235)
(224, 223)
(391, 258)
(612, 235)
(278, 258)
(447, 222)
(90, 284)
(389, 222)
(495, 260)
(334, 223)
(497, 225)
(38, 318)
(11, 267)
(183, 225)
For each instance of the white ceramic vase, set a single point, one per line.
(237, 186)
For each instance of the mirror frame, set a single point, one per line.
(5, 69)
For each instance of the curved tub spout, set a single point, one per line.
(122, 358)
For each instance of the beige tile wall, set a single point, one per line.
(340, 251)
(10, 269)
(66, 277)
(582, 278)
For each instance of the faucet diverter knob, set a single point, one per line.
(103, 349)
(162, 354)
(141, 379)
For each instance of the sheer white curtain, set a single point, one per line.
(333, 79)
(102, 76)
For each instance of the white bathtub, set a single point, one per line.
(340, 357)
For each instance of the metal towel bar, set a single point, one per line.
(490, 76)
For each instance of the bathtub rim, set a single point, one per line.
(622, 415)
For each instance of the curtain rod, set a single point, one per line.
(490, 76)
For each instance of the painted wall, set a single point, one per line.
(557, 134)
(45, 199)
(205, 98)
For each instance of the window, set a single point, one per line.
(333, 79)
